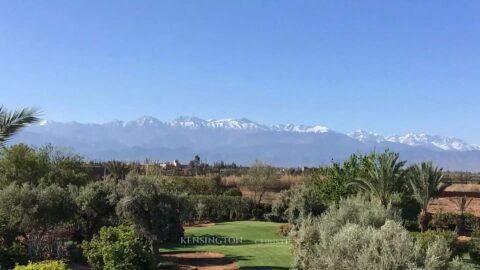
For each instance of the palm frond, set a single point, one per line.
(12, 121)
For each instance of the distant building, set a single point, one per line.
(174, 164)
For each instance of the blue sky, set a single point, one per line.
(385, 66)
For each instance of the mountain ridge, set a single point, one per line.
(241, 141)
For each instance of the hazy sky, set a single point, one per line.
(386, 66)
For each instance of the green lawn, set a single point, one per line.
(251, 252)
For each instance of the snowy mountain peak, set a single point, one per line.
(416, 139)
(145, 121)
(300, 128)
(189, 122)
(365, 136)
(229, 123)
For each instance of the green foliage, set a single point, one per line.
(223, 208)
(425, 239)
(96, 202)
(425, 181)
(46, 265)
(33, 213)
(332, 182)
(47, 165)
(298, 202)
(155, 213)
(23, 164)
(12, 121)
(361, 234)
(65, 169)
(384, 176)
(474, 249)
(448, 221)
(117, 248)
(232, 192)
(10, 256)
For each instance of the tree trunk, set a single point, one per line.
(155, 247)
(460, 224)
(423, 219)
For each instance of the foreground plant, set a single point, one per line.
(12, 121)
(361, 234)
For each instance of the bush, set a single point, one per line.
(443, 221)
(360, 234)
(296, 203)
(46, 265)
(427, 238)
(9, 256)
(117, 248)
(448, 221)
(284, 229)
(233, 192)
(222, 208)
(474, 249)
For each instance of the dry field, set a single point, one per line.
(446, 204)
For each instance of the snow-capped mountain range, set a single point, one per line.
(241, 141)
(416, 139)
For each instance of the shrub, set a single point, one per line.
(223, 208)
(233, 192)
(117, 248)
(474, 249)
(444, 221)
(9, 256)
(427, 238)
(448, 221)
(360, 234)
(46, 265)
(296, 203)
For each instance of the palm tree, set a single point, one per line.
(12, 122)
(426, 184)
(383, 177)
(117, 169)
(462, 203)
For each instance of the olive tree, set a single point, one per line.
(154, 212)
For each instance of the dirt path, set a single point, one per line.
(200, 261)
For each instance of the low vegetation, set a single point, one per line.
(363, 213)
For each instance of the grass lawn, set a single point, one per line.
(251, 251)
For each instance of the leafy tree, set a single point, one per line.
(384, 176)
(25, 209)
(17, 208)
(154, 212)
(66, 169)
(12, 121)
(259, 179)
(332, 182)
(426, 184)
(23, 164)
(117, 248)
(96, 202)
